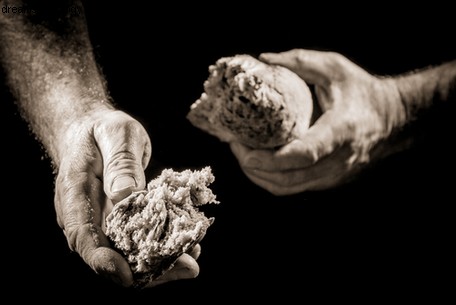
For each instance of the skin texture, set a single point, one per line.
(362, 115)
(98, 153)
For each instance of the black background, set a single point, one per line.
(386, 235)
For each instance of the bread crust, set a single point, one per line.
(249, 101)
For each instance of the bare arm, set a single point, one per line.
(99, 153)
(50, 67)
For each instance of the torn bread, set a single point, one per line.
(153, 227)
(249, 101)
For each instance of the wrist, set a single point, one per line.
(393, 109)
(423, 89)
(410, 96)
(423, 98)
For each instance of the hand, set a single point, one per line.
(360, 112)
(103, 157)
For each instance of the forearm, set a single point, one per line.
(48, 59)
(422, 90)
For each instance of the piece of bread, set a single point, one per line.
(246, 100)
(153, 227)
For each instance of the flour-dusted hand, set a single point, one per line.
(361, 113)
(98, 152)
(102, 160)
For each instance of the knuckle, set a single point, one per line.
(71, 234)
(79, 236)
(123, 160)
(300, 56)
(118, 120)
(335, 56)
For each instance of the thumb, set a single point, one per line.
(126, 151)
(314, 67)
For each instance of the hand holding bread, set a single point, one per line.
(360, 112)
(154, 227)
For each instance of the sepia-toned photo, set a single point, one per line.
(186, 152)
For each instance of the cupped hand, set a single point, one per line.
(360, 113)
(102, 160)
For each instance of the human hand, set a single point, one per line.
(360, 113)
(102, 160)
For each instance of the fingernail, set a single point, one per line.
(253, 163)
(122, 183)
(187, 272)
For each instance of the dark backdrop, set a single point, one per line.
(386, 234)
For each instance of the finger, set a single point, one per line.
(288, 157)
(185, 267)
(282, 190)
(320, 140)
(314, 67)
(78, 209)
(126, 149)
(239, 150)
(248, 157)
(285, 158)
(273, 188)
(195, 251)
(106, 262)
(326, 173)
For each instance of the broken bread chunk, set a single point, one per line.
(257, 104)
(153, 227)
